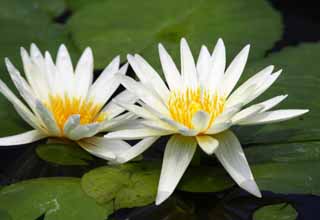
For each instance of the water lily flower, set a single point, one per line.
(197, 107)
(63, 102)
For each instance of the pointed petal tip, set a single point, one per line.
(7, 61)
(162, 196)
(88, 51)
(251, 187)
(160, 46)
(220, 41)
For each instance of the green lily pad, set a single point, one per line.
(63, 154)
(276, 212)
(4, 215)
(283, 153)
(121, 27)
(300, 79)
(128, 185)
(55, 198)
(282, 168)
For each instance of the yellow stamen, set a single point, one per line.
(63, 107)
(184, 104)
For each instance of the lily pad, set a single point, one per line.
(300, 79)
(55, 198)
(121, 27)
(282, 168)
(276, 212)
(63, 154)
(283, 153)
(128, 185)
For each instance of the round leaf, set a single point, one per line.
(276, 212)
(55, 198)
(63, 154)
(128, 185)
(121, 27)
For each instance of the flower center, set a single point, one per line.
(184, 104)
(63, 108)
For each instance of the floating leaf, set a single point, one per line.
(4, 215)
(55, 198)
(115, 27)
(282, 168)
(128, 185)
(63, 154)
(205, 179)
(276, 212)
(300, 79)
(292, 152)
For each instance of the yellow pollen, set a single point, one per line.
(184, 104)
(63, 107)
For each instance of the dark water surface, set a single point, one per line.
(302, 24)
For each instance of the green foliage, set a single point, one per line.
(63, 154)
(55, 198)
(128, 185)
(147, 23)
(276, 212)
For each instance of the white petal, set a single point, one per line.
(23, 138)
(123, 120)
(177, 157)
(144, 94)
(107, 74)
(188, 67)
(48, 119)
(234, 71)
(20, 83)
(107, 83)
(23, 111)
(134, 134)
(262, 88)
(203, 64)
(253, 82)
(83, 131)
(273, 116)
(207, 143)
(138, 110)
(218, 127)
(65, 75)
(270, 103)
(72, 122)
(200, 120)
(170, 70)
(158, 125)
(180, 127)
(246, 113)
(136, 150)
(232, 158)
(34, 71)
(151, 78)
(228, 113)
(84, 74)
(103, 148)
(113, 109)
(217, 66)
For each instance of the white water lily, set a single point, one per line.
(197, 107)
(64, 102)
